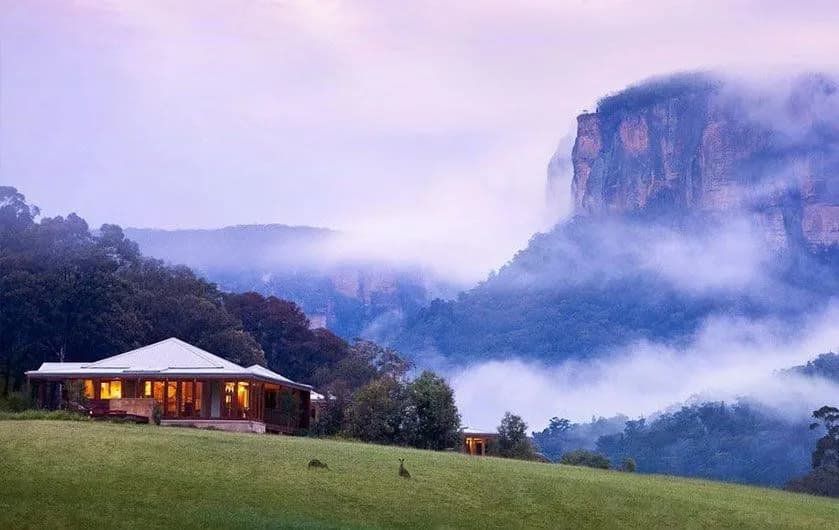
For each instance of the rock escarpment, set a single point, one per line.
(700, 144)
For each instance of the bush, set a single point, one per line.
(16, 402)
(156, 414)
(34, 414)
(584, 457)
(628, 465)
(820, 481)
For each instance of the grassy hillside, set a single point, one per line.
(79, 474)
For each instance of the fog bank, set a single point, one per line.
(728, 358)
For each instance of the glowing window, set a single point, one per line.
(244, 396)
(199, 388)
(190, 399)
(87, 388)
(147, 389)
(171, 404)
(110, 389)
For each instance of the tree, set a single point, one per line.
(823, 479)
(820, 481)
(431, 417)
(512, 438)
(332, 419)
(375, 414)
(364, 362)
(827, 447)
(282, 331)
(557, 426)
(584, 457)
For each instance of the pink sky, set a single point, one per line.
(423, 126)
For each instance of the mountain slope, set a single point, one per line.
(315, 267)
(695, 196)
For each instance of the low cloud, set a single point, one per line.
(723, 254)
(726, 360)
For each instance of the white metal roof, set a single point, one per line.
(265, 372)
(170, 357)
(472, 430)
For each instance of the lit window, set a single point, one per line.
(170, 407)
(87, 388)
(147, 389)
(244, 396)
(199, 388)
(110, 389)
(188, 398)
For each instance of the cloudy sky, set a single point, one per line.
(397, 120)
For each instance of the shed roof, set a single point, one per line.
(471, 430)
(170, 357)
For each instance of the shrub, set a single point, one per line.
(628, 465)
(16, 402)
(584, 457)
(156, 414)
(820, 481)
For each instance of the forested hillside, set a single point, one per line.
(744, 441)
(323, 271)
(67, 294)
(591, 285)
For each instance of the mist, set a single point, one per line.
(726, 360)
(365, 117)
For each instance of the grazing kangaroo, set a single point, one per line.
(402, 471)
(317, 464)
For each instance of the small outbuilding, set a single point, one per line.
(477, 441)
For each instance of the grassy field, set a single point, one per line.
(90, 474)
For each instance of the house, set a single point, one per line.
(477, 441)
(191, 386)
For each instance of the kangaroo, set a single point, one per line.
(317, 464)
(402, 471)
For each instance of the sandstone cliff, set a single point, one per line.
(696, 143)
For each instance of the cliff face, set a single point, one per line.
(698, 144)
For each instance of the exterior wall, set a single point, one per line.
(181, 404)
(305, 409)
(221, 425)
(136, 406)
(478, 443)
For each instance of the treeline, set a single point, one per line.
(737, 442)
(71, 294)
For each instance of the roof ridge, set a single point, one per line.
(135, 350)
(198, 352)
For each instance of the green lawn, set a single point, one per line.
(90, 474)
